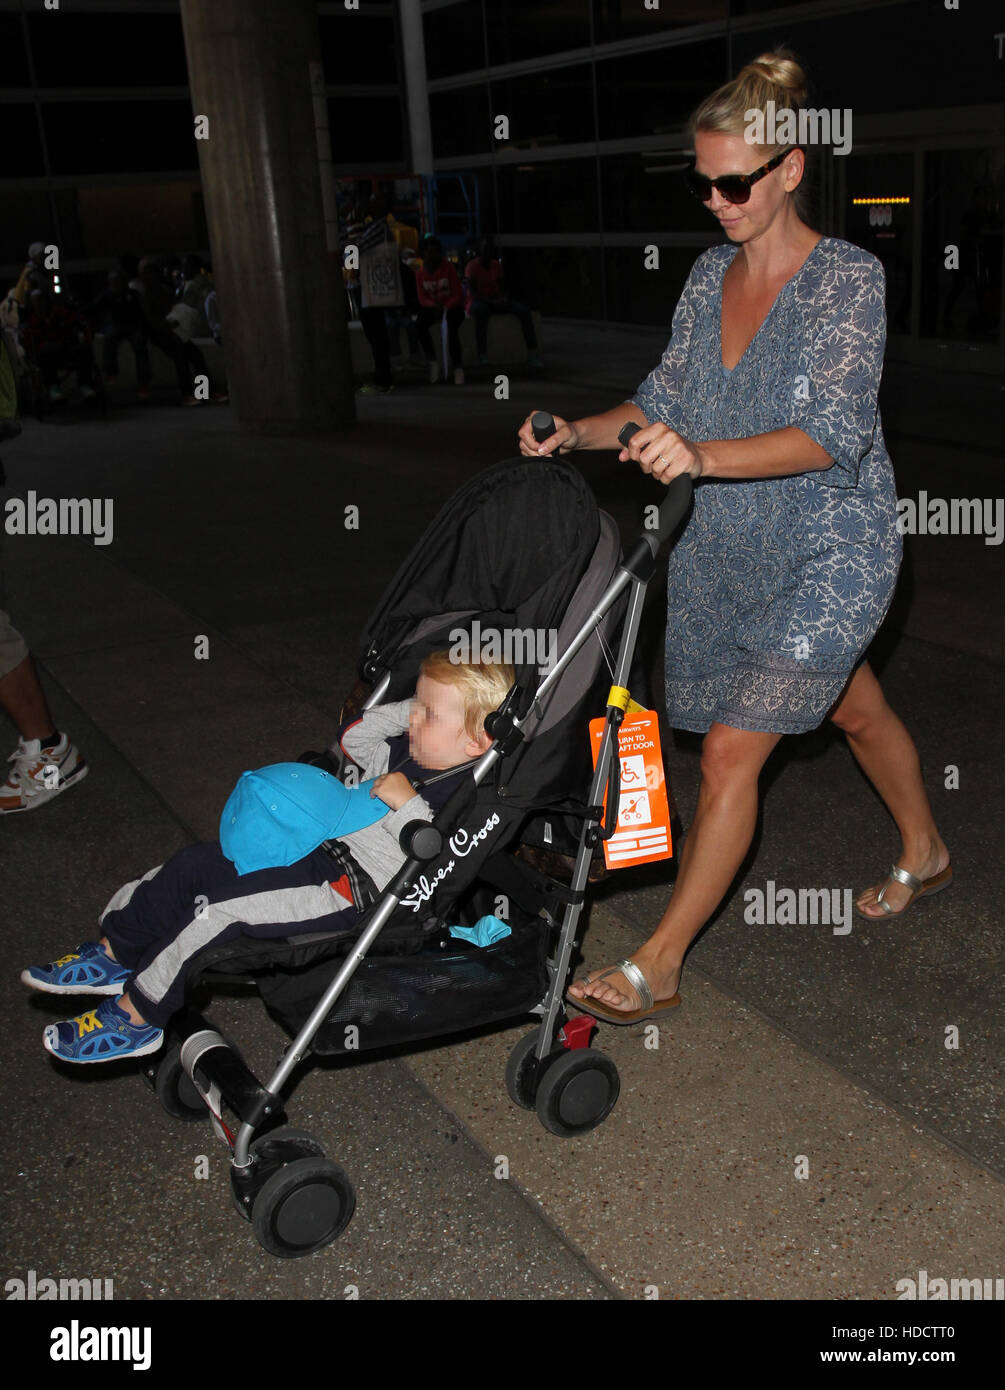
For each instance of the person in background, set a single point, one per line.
(59, 338)
(440, 298)
(487, 296)
(380, 287)
(120, 314)
(196, 285)
(45, 762)
(157, 298)
(34, 276)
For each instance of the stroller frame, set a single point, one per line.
(216, 1070)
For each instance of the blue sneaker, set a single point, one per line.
(101, 1035)
(87, 970)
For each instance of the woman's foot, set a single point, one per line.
(923, 864)
(618, 993)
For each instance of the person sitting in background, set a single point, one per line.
(440, 298)
(157, 300)
(59, 339)
(487, 296)
(196, 285)
(120, 314)
(211, 308)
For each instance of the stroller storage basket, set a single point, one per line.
(438, 990)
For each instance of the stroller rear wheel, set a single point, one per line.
(305, 1205)
(174, 1088)
(577, 1092)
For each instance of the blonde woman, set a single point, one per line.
(766, 396)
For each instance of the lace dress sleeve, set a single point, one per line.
(836, 392)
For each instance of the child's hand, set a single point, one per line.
(394, 789)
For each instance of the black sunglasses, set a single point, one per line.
(735, 188)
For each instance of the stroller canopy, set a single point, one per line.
(509, 548)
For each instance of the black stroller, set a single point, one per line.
(521, 550)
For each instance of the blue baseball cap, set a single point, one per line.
(277, 815)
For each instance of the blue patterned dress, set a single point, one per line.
(777, 586)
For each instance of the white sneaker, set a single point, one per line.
(38, 774)
(434, 372)
(458, 376)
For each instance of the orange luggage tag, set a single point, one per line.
(643, 830)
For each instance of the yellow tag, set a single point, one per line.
(87, 1023)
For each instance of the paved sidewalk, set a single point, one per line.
(694, 1188)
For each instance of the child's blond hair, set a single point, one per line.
(483, 685)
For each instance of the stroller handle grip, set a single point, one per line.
(543, 425)
(673, 506)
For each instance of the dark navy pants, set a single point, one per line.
(159, 924)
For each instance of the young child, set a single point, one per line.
(270, 875)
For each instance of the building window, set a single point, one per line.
(878, 223)
(964, 196)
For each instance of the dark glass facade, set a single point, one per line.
(584, 170)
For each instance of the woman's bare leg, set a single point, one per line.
(886, 754)
(719, 838)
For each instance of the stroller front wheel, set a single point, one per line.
(302, 1207)
(577, 1093)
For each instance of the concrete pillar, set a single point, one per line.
(414, 49)
(285, 335)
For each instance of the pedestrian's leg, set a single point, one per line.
(427, 316)
(50, 360)
(82, 361)
(45, 762)
(715, 846)
(110, 353)
(375, 328)
(423, 320)
(480, 311)
(23, 698)
(142, 354)
(195, 359)
(454, 317)
(170, 344)
(886, 754)
(526, 323)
